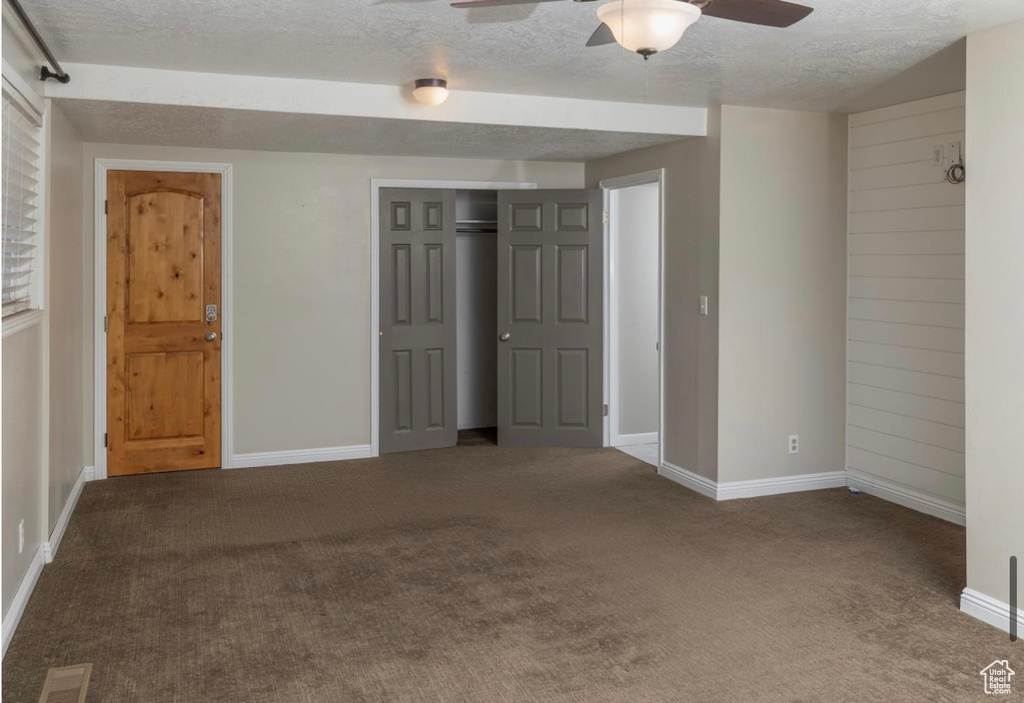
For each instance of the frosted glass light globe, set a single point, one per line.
(648, 26)
(430, 91)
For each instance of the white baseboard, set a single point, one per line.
(695, 482)
(907, 497)
(989, 610)
(732, 490)
(628, 440)
(50, 546)
(17, 608)
(785, 484)
(301, 456)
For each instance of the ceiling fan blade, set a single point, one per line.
(601, 36)
(496, 3)
(769, 13)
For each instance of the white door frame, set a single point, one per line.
(611, 313)
(375, 185)
(100, 298)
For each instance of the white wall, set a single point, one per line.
(995, 307)
(782, 290)
(635, 294)
(302, 281)
(906, 305)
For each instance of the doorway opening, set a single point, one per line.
(633, 312)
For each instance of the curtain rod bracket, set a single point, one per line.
(45, 73)
(59, 73)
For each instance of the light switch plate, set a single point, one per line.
(703, 305)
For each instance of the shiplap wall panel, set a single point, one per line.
(926, 384)
(895, 153)
(908, 265)
(909, 311)
(927, 455)
(938, 242)
(939, 483)
(905, 389)
(927, 290)
(921, 407)
(947, 339)
(912, 428)
(903, 197)
(909, 358)
(918, 219)
(917, 173)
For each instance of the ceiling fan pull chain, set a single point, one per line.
(645, 78)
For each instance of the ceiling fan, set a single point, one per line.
(650, 26)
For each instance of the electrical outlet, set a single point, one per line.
(794, 444)
(21, 537)
(939, 155)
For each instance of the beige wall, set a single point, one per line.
(782, 292)
(691, 269)
(24, 481)
(21, 58)
(636, 224)
(994, 333)
(302, 282)
(23, 461)
(906, 304)
(65, 291)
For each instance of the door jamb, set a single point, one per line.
(375, 185)
(610, 311)
(100, 298)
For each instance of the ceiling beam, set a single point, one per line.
(303, 96)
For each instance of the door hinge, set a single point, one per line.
(106, 323)
(604, 217)
(106, 207)
(606, 409)
(104, 439)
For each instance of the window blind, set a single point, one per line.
(21, 135)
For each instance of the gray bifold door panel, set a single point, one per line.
(417, 320)
(550, 318)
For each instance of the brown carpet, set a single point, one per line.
(482, 574)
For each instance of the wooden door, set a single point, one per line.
(550, 318)
(164, 322)
(417, 320)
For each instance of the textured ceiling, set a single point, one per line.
(842, 49)
(216, 128)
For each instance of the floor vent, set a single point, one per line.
(66, 684)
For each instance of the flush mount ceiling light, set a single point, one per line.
(430, 91)
(648, 26)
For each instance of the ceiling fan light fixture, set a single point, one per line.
(648, 26)
(431, 91)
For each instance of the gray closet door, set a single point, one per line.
(417, 319)
(550, 318)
